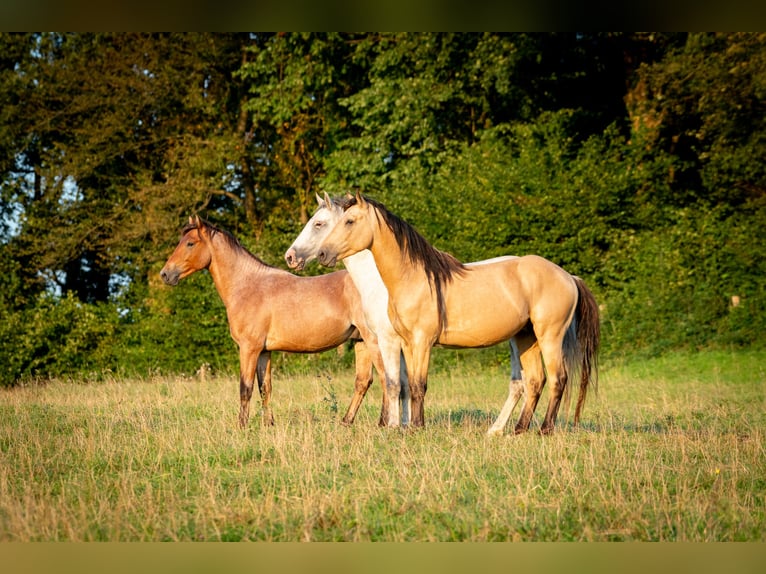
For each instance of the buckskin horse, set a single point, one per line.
(361, 267)
(436, 299)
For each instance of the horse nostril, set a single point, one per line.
(167, 278)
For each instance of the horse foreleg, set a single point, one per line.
(362, 382)
(515, 392)
(264, 386)
(248, 360)
(395, 393)
(417, 357)
(376, 354)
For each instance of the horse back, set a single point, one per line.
(497, 298)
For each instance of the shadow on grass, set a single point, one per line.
(483, 419)
(665, 425)
(460, 417)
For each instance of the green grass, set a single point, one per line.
(669, 449)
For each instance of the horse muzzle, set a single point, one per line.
(170, 277)
(326, 258)
(293, 261)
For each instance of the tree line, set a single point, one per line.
(635, 160)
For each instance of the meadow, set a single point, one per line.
(669, 449)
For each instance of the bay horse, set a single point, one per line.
(434, 298)
(361, 267)
(270, 309)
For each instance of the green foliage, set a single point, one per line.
(692, 284)
(635, 161)
(177, 330)
(706, 109)
(55, 337)
(665, 276)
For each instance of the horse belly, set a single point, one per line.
(480, 329)
(482, 311)
(307, 336)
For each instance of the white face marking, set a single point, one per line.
(317, 228)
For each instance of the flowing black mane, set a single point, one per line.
(230, 240)
(440, 267)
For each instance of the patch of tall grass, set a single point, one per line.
(669, 449)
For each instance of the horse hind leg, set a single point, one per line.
(515, 392)
(362, 382)
(534, 380)
(405, 404)
(557, 374)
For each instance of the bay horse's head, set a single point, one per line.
(191, 254)
(353, 232)
(306, 246)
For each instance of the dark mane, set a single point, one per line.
(440, 267)
(230, 240)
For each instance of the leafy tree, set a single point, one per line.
(295, 84)
(703, 104)
(634, 160)
(116, 126)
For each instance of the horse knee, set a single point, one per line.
(417, 394)
(558, 384)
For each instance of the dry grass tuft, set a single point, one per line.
(669, 450)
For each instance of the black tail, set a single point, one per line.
(588, 341)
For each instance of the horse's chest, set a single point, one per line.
(412, 316)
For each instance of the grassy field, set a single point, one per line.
(670, 449)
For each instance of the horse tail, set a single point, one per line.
(588, 339)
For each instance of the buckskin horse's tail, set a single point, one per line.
(588, 335)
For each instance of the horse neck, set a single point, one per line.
(361, 266)
(231, 267)
(390, 260)
(365, 275)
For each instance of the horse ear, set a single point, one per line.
(191, 220)
(359, 198)
(319, 199)
(327, 200)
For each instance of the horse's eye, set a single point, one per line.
(318, 224)
(190, 244)
(349, 222)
